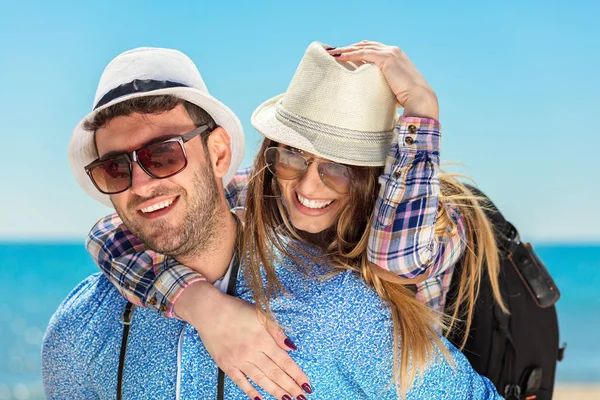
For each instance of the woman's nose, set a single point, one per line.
(311, 182)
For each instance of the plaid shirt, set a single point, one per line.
(402, 238)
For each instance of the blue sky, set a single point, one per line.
(517, 82)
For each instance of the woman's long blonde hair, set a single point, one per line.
(415, 338)
(480, 258)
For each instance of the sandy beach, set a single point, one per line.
(576, 392)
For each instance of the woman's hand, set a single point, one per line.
(235, 335)
(412, 90)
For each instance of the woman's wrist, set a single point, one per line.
(423, 103)
(195, 300)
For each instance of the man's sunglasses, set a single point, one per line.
(288, 164)
(159, 160)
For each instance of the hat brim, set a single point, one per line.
(264, 119)
(82, 149)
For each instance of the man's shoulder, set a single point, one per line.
(88, 319)
(92, 292)
(92, 299)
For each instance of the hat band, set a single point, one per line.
(307, 125)
(136, 86)
(352, 146)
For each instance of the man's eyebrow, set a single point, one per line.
(112, 154)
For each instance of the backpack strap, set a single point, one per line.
(127, 315)
(507, 235)
(230, 291)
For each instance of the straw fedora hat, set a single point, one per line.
(334, 110)
(150, 72)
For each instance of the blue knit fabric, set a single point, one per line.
(341, 327)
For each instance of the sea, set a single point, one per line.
(36, 277)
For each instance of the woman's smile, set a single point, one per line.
(312, 206)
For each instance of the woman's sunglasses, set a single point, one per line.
(288, 164)
(159, 160)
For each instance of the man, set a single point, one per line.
(159, 149)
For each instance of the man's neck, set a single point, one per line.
(214, 261)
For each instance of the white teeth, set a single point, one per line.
(157, 206)
(313, 203)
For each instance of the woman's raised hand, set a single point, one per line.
(410, 87)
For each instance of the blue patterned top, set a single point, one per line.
(342, 329)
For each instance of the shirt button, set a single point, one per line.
(412, 129)
(163, 308)
(152, 301)
(408, 140)
(397, 174)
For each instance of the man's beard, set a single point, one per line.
(199, 226)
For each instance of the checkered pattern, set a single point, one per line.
(402, 236)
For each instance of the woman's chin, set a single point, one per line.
(310, 228)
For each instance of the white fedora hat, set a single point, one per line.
(150, 72)
(334, 110)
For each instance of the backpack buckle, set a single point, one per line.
(126, 320)
(512, 392)
(513, 240)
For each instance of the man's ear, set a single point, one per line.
(219, 149)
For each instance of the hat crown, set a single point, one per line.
(326, 91)
(149, 63)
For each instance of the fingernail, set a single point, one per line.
(337, 55)
(290, 344)
(300, 397)
(330, 48)
(257, 398)
(286, 397)
(306, 387)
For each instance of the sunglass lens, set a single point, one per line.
(283, 163)
(336, 176)
(112, 176)
(162, 159)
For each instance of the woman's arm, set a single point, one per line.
(142, 276)
(403, 238)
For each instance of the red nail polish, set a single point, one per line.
(337, 55)
(290, 344)
(300, 397)
(306, 387)
(286, 397)
(330, 48)
(257, 398)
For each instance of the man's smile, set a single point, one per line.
(157, 207)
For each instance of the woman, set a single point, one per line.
(336, 222)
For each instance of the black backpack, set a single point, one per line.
(517, 352)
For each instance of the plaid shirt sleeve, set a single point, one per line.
(142, 276)
(402, 238)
